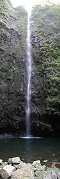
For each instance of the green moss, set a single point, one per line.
(13, 29)
(46, 54)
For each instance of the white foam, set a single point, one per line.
(29, 137)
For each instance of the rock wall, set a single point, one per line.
(45, 39)
(13, 24)
(45, 82)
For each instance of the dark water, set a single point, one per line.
(30, 149)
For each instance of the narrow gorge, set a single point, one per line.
(30, 70)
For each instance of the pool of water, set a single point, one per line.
(30, 149)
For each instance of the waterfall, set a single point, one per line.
(29, 69)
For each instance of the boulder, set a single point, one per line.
(37, 166)
(45, 161)
(47, 175)
(23, 173)
(38, 174)
(54, 175)
(14, 160)
(58, 175)
(4, 174)
(9, 169)
(36, 162)
(20, 165)
(0, 161)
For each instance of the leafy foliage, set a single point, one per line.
(45, 35)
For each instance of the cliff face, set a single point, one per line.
(45, 82)
(13, 23)
(45, 39)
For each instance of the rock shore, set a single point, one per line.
(17, 169)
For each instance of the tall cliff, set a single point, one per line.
(13, 24)
(45, 40)
(45, 80)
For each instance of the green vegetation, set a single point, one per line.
(45, 38)
(45, 82)
(13, 29)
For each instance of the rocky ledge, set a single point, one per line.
(17, 169)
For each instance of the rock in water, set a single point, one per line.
(23, 173)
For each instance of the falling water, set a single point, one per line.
(29, 69)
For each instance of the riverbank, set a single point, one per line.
(14, 168)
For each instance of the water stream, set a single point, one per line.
(29, 69)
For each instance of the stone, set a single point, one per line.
(0, 161)
(14, 160)
(54, 175)
(9, 160)
(3, 164)
(4, 174)
(36, 162)
(37, 166)
(18, 166)
(45, 161)
(43, 167)
(58, 175)
(39, 174)
(9, 169)
(47, 175)
(23, 173)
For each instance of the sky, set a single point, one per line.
(29, 3)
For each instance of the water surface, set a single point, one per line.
(30, 149)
